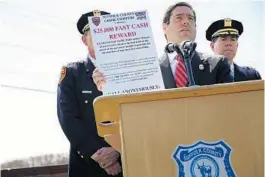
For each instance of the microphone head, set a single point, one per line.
(187, 44)
(194, 45)
(169, 48)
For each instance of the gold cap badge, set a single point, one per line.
(96, 13)
(228, 22)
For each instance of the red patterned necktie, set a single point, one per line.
(181, 73)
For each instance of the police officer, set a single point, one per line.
(224, 35)
(90, 155)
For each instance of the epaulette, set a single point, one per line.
(74, 64)
(248, 68)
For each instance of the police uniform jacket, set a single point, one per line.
(75, 95)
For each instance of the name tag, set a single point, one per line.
(87, 91)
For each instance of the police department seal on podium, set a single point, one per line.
(204, 159)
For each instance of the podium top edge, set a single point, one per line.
(107, 108)
(173, 93)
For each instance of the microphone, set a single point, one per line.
(188, 48)
(171, 47)
(187, 44)
(185, 50)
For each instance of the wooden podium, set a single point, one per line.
(147, 127)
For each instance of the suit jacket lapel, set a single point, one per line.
(167, 75)
(237, 74)
(196, 63)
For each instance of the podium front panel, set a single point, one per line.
(151, 131)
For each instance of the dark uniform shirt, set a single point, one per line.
(75, 95)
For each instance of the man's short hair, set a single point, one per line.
(168, 13)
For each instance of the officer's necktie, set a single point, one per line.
(181, 73)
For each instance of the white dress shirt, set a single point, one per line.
(173, 62)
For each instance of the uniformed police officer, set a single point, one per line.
(90, 155)
(224, 35)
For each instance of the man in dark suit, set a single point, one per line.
(179, 24)
(90, 155)
(224, 35)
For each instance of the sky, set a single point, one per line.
(38, 37)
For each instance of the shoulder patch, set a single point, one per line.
(63, 74)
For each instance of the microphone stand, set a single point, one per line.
(188, 51)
